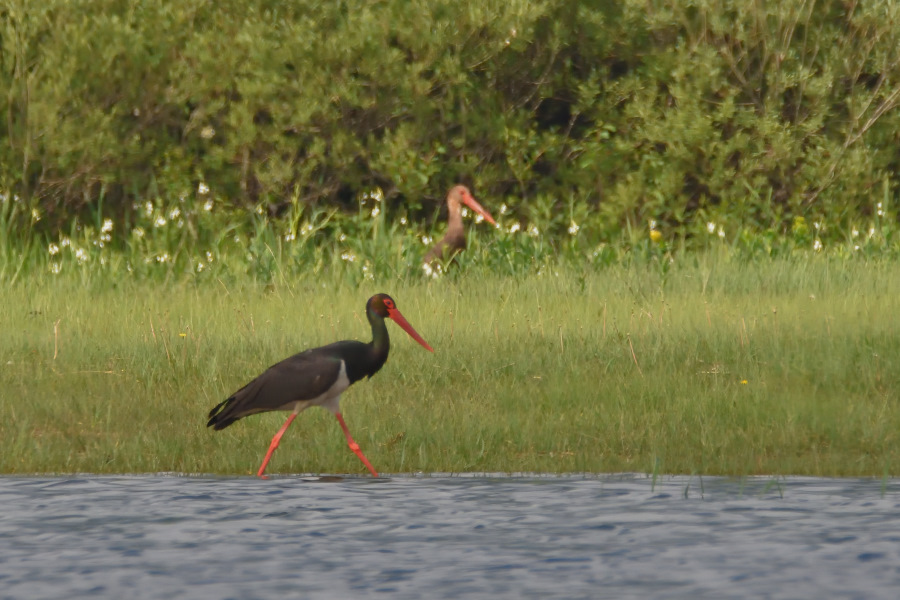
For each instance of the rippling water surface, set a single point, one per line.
(622, 536)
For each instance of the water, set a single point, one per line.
(622, 536)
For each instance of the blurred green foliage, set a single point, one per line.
(742, 115)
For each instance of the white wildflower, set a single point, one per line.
(208, 205)
(160, 221)
(573, 228)
(375, 212)
(711, 227)
(202, 189)
(81, 255)
(138, 232)
(53, 249)
(107, 226)
(403, 220)
(533, 230)
(854, 233)
(817, 245)
(375, 194)
(55, 268)
(426, 239)
(35, 215)
(433, 271)
(348, 256)
(290, 237)
(515, 227)
(174, 213)
(65, 242)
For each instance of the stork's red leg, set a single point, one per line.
(274, 444)
(354, 446)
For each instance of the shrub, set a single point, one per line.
(743, 113)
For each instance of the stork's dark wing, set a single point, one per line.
(303, 376)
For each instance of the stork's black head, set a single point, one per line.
(382, 306)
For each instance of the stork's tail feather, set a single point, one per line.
(220, 417)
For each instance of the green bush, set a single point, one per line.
(743, 114)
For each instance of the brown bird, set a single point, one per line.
(316, 377)
(454, 241)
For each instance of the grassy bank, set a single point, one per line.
(712, 366)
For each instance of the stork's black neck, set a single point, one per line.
(381, 342)
(361, 359)
(368, 358)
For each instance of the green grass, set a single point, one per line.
(710, 366)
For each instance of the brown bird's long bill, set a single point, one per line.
(473, 204)
(394, 314)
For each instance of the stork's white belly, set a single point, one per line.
(329, 399)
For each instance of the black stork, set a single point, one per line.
(454, 241)
(316, 377)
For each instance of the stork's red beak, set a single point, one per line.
(394, 314)
(469, 201)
